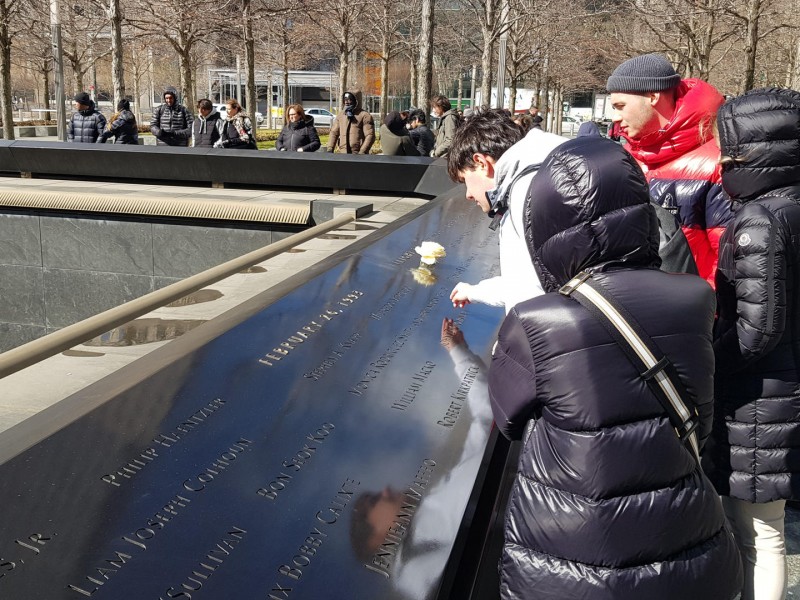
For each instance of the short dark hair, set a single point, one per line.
(488, 131)
(441, 102)
(205, 103)
(417, 115)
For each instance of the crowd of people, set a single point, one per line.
(352, 131)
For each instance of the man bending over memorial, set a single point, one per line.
(497, 164)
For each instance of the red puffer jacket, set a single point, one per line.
(681, 166)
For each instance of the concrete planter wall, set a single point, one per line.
(29, 131)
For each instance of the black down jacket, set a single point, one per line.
(86, 126)
(301, 134)
(122, 128)
(607, 504)
(755, 449)
(171, 125)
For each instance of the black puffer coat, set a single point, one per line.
(301, 134)
(755, 454)
(122, 128)
(608, 504)
(171, 125)
(86, 126)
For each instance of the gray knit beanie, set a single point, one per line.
(646, 73)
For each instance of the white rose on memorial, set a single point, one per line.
(430, 251)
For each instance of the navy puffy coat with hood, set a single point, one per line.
(755, 449)
(607, 504)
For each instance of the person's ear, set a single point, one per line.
(653, 98)
(484, 163)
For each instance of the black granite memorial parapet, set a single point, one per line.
(319, 442)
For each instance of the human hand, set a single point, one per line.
(218, 144)
(459, 296)
(299, 149)
(451, 334)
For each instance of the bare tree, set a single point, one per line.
(184, 24)
(425, 68)
(385, 40)
(340, 22)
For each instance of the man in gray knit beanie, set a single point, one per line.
(642, 94)
(666, 122)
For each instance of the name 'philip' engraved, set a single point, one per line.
(410, 393)
(283, 349)
(381, 561)
(459, 396)
(208, 565)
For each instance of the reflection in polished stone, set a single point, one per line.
(145, 331)
(201, 296)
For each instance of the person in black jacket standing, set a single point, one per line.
(122, 127)
(172, 122)
(207, 125)
(88, 123)
(420, 134)
(608, 502)
(754, 456)
(299, 133)
(237, 129)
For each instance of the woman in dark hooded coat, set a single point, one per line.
(608, 503)
(754, 454)
(299, 133)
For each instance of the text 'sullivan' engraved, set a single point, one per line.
(297, 462)
(458, 397)
(381, 561)
(326, 518)
(207, 565)
(283, 349)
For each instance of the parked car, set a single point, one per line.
(570, 125)
(222, 109)
(322, 117)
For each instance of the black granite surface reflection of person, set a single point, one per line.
(412, 552)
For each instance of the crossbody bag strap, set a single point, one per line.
(500, 207)
(652, 364)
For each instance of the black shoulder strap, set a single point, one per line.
(651, 363)
(500, 206)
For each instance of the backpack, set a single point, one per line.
(673, 247)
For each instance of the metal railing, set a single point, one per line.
(28, 354)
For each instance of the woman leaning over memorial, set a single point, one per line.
(237, 131)
(299, 133)
(609, 503)
(754, 454)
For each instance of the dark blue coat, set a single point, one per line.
(755, 454)
(123, 129)
(608, 504)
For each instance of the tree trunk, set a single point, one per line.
(46, 83)
(251, 96)
(425, 69)
(384, 77)
(117, 68)
(460, 90)
(5, 72)
(187, 79)
(486, 68)
(512, 95)
(751, 44)
(137, 94)
(412, 74)
(344, 62)
(795, 81)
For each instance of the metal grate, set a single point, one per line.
(175, 207)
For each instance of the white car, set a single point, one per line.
(222, 109)
(570, 125)
(322, 117)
